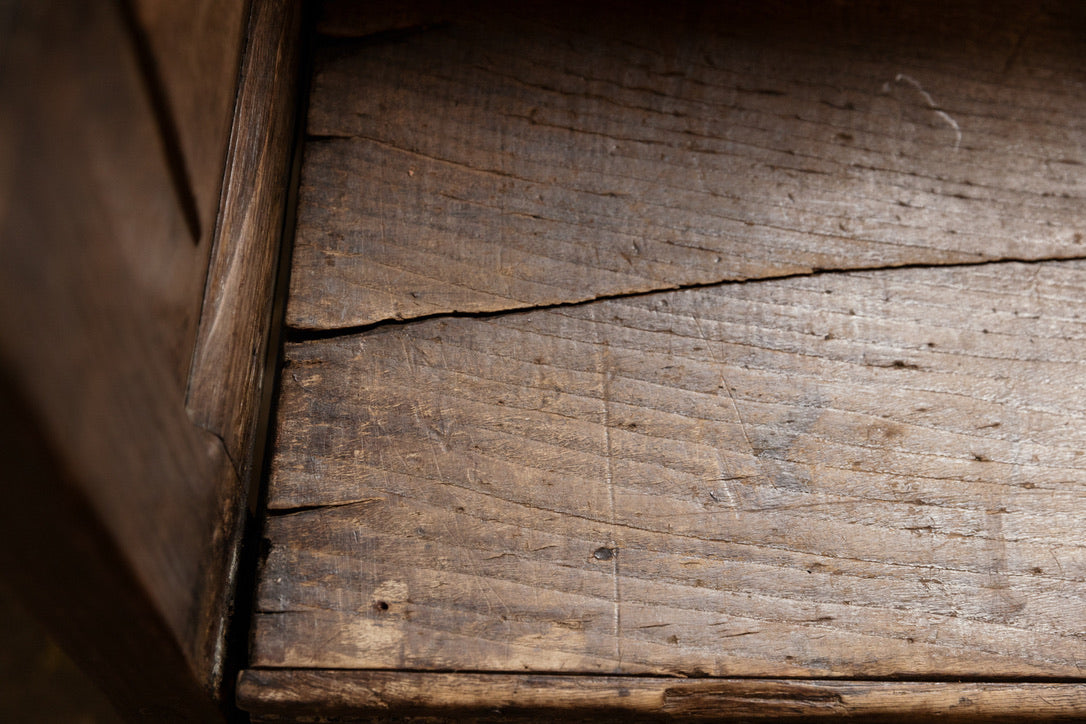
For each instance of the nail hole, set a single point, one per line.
(604, 553)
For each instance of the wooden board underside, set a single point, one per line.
(498, 158)
(851, 474)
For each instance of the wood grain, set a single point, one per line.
(368, 695)
(228, 368)
(875, 474)
(500, 157)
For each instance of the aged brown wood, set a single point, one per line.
(188, 55)
(875, 474)
(504, 156)
(196, 47)
(73, 575)
(843, 474)
(281, 695)
(228, 368)
(120, 528)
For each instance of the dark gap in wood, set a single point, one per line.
(297, 334)
(169, 134)
(281, 512)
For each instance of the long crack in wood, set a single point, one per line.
(305, 334)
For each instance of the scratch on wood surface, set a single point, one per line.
(915, 84)
(1008, 603)
(465, 552)
(881, 497)
(723, 478)
(726, 481)
(605, 371)
(1027, 29)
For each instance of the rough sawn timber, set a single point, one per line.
(507, 156)
(871, 474)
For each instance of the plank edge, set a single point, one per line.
(237, 319)
(285, 693)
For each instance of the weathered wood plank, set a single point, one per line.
(228, 368)
(860, 474)
(509, 157)
(281, 695)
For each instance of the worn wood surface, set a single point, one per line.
(228, 369)
(791, 460)
(505, 156)
(361, 696)
(875, 474)
(120, 513)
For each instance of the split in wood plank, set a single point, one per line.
(502, 157)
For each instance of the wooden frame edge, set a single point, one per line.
(280, 694)
(227, 379)
(228, 368)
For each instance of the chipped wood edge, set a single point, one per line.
(283, 694)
